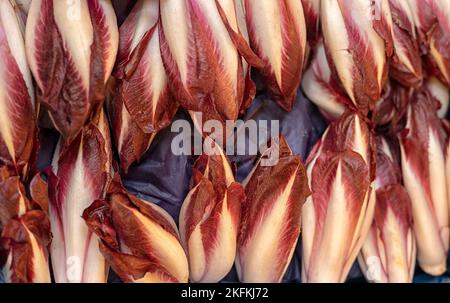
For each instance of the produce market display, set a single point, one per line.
(216, 141)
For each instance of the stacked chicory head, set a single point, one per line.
(374, 189)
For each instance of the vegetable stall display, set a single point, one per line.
(91, 190)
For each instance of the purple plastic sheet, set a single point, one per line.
(162, 177)
(302, 127)
(123, 8)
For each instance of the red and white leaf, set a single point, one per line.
(441, 93)
(17, 110)
(138, 239)
(391, 109)
(24, 245)
(431, 18)
(202, 56)
(358, 44)
(79, 178)
(321, 88)
(141, 103)
(406, 63)
(71, 49)
(345, 141)
(13, 200)
(388, 166)
(340, 184)
(311, 9)
(422, 146)
(270, 224)
(209, 218)
(389, 253)
(277, 33)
